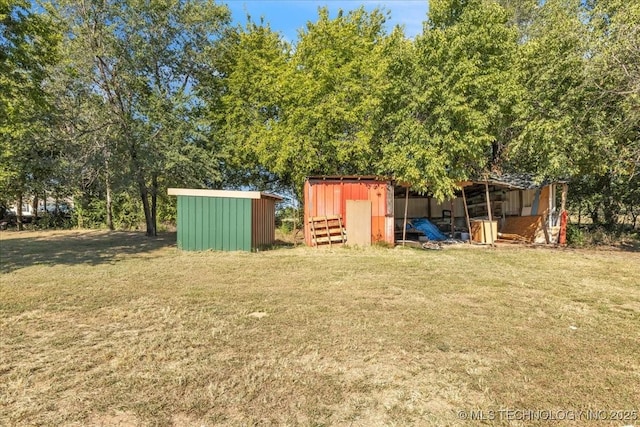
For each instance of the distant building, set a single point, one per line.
(51, 205)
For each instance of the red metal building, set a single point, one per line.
(328, 195)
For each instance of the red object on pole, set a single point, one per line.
(563, 228)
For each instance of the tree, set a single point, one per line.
(458, 98)
(579, 66)
(92, 148)
(144, 60)
(246, 98)
(521, 14)
(614, 75)
(312, 109)
(556, 122)
(28, 47)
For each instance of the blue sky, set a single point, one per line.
(288, 16)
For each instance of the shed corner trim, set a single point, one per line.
(234, 194)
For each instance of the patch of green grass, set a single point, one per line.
(106, 328)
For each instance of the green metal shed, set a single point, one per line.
(224, 220)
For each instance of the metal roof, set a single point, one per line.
(514, 181)
(234, 194)
(348, 178)
(517, 181)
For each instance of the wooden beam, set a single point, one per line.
(550, 215)
(466, 214)
(520, 202)
(406, 211)
(563, 217)
(486, 191)
(546, 226)
(326, 223)
(565, 190)
(453, 225)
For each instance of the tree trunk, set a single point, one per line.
(35, 208)
(109, 208)
(496, 154)
(595, 218)
(144, 196)
(610, 213)
(109, 201)
(633, 216)
(19, 214)
(154, 203)
(579, 214)
(143, 191)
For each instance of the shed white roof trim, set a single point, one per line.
(234, 194)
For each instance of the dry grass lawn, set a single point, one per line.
(115, 329)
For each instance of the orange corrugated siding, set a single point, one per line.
(329, 197)
(263, 222)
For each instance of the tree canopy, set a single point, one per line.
(114, 100)
(28, 47)
(460, 100)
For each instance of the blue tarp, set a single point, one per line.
(429, 229)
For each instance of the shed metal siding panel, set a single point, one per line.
(218, 220)
(206, 236)
(417, 208)
(226, 222)
(511, 206)
(527, 197)
(200, 224)
(180, 222)
(263, 222)
(187, 225)
(214, 223)
(231, 229)
(329, 197)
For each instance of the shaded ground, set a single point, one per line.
(28, 248)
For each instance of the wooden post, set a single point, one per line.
(546, 227)
(326, 224)
(550, 217)
(453, 224)
(466, 213)
(486, 190)
(406, 211)
(295, 219)
(520, 202)
(562, 235)
(19, 217)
